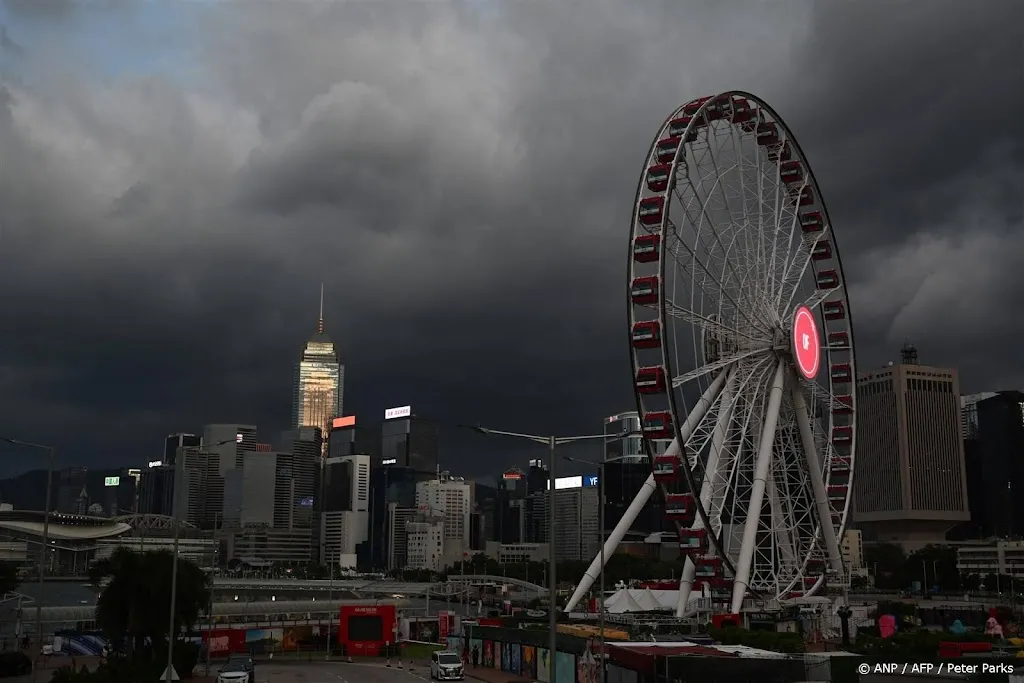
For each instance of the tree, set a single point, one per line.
(135, 604)
(9, 579)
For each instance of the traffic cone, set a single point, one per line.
(410, 665)
(349, 660)
(399, 662)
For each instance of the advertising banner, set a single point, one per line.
(445, 625)
(224, 641)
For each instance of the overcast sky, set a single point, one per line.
(177, 178)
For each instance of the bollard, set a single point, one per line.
(387, 662)
(399, 662)
(349, 660)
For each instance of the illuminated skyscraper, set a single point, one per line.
(319, 381)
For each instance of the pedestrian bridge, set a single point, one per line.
(498, 580)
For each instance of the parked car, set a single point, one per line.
(446, 666)
(238, 662)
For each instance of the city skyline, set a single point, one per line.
(168, 204)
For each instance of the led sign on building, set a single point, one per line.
(112, 481)
(512, 474)
(402, 411)
(389, 461)
(347, 421)
(156, 463)
(575, 482)
(239, 437)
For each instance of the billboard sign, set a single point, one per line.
(347, 421)
(590, 480)
(401, 411)
(512, 474)
(112, 481)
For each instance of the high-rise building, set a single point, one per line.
(425, 542)
(174, 442)
(156, 490)
(911, 484)
(626, 469)
(348, 438)
(307, 446)
(452, 498)
(70, 483)
(224, 448)
(397, 540)
(994, 451)
(577, 502)
(409, 441)
(319, 381)
(345, 511)
(393, 485)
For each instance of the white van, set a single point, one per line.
(446, 666)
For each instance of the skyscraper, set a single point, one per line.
(911, 485)
(319, 381)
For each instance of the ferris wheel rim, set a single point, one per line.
(669, 364)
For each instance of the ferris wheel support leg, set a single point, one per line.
(708, 487)
(648, 488)
(754, 508)
(824, 510)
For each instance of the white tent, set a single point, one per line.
(647, 601)
(622, 602)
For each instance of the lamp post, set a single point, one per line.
(600, 522)
(171, 633)
(552, 443)
(45, 547)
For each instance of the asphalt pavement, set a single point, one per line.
(341, 672)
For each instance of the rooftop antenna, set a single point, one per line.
(908, 354)
(320, 321)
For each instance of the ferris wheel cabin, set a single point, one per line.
(650, 380)
(666, 467)
(651, 210)
(646, 335)
(693, 542)
(665, 152)
(812, 222)
(658, 176)
(692, 107)
(646, 248)
(709, 568)
(767, 134)
(658, 425)
(782, 152)
(680, 507)
(821, 251)
(644, 291)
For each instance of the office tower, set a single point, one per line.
(306, 445)
(910, 486)
(391, 485)
(425, 542)
(319, 381)
(409, 441)
(397, 540)
(450, 497)
(345, 510)
(536, 484)
(994, 453)
(173, 442)
(348, 438)
(224, 447)
(508, 524)
(577, 502)
(69, 485)
(156, 490)
(626, 469)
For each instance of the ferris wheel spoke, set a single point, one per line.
(711, 325)
(763, 462)
(712, 472)
(726, 362)
(790, 281)
(814, 472)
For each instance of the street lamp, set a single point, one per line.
(552, 443)
(601, 501)
(168, 673)
(44, 548)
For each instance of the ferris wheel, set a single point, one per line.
(743, 356)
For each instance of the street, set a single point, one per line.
(340, 672)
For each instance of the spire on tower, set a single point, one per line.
(320, 321)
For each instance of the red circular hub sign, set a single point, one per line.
(806, 344)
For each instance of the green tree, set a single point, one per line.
(9, 579)
(938, 564)
(135, 603)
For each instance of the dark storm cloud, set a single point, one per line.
(462, 181)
